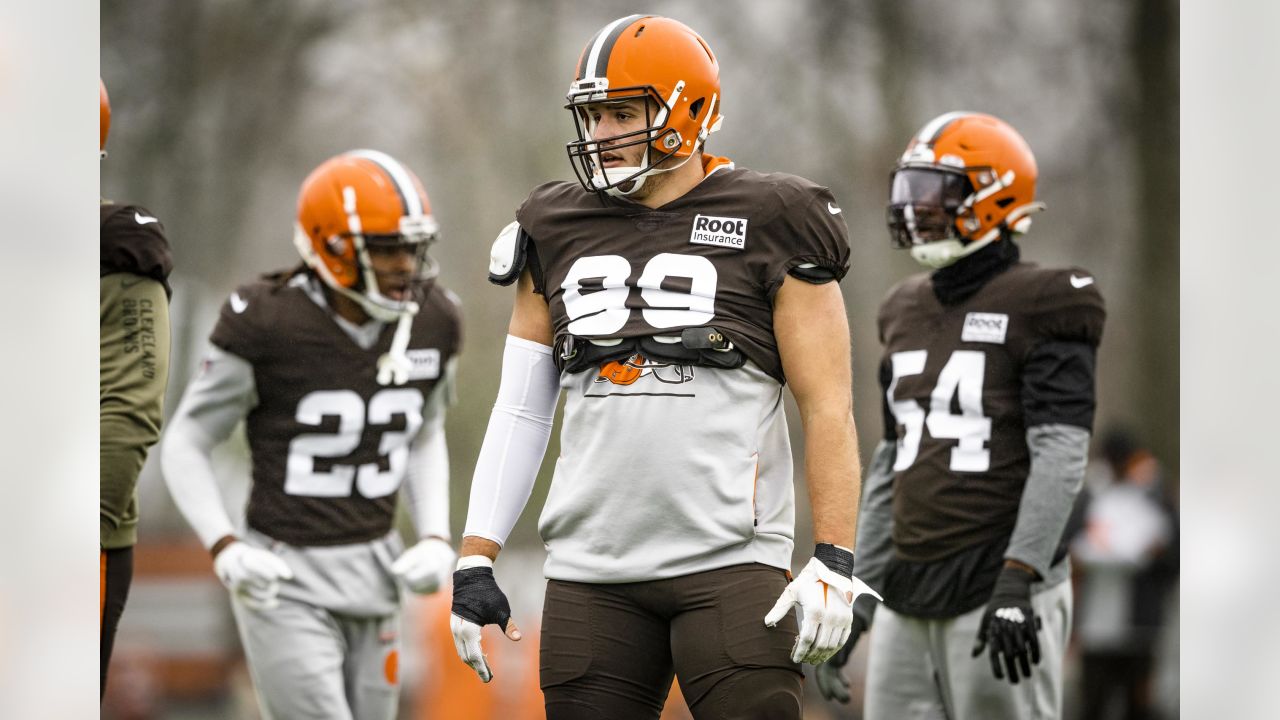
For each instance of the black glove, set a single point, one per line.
(477, 598)
(1009, 625)
(830, 674)
(477, 601)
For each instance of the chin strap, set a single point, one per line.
(394, 366)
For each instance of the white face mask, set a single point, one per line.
(941, 253)
(606, 176)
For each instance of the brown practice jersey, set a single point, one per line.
(956, 390)
(612, 268)
(132, 240)
(329, 444)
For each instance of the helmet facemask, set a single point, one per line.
(661, 140)
(351, 252)
(931, 212)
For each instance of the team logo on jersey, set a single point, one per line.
(625, 373)
(727, 232)
(425, 364)
(985, 327)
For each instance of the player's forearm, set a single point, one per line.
(833, 473)
(186, 461)
(472, 545)
(427, 482)
(1058, 457)
(875, 521)
(515, 440)
(122, 450)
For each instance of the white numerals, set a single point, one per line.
(671, 308)
(301, 475)
(604, 311)
(962, 376)
(961, 379)
(908, 412)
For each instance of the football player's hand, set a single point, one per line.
(1009, 627)
(251, 574)
(478, 601)
(823, 593)
(830, 674)
(424, 567)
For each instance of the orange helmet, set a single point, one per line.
(965, 180)
(358, 200)
(622, 372)
(651, 57)
(104, 117)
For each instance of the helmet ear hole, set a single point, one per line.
(1004, 202)
(695, 107)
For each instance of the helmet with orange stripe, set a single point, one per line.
(965, 180)
(668, 65)
(364, 202)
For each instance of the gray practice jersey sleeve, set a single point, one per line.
(875, 524)
(218, 398)
(1058, 456)
(426, 481)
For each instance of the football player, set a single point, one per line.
(341, 370)
(670, 295)
(988, 381)
(133, 354)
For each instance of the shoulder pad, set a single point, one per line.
(507, 256)
(1069, 306)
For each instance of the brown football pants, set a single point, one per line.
(609, 651)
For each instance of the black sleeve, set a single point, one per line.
(133, 241)
(238, 327)
(1058, 384)
(818, 240)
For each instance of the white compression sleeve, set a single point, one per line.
(426, 482)
(515, 441)
(215, 400)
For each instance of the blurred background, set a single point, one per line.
(221, 108)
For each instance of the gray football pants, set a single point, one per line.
(923, 670)
(308, 663)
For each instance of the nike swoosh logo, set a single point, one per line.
(833, 209)
(238, 304)
(144, 219)
(1079, 282)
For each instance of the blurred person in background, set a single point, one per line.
(341, 369)
(1127, 556)
(671, 295)
(133, 350)
(988, 381)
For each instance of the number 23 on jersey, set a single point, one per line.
(301, 475)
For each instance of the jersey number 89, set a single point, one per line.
(605, 311)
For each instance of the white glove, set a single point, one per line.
(426, 566)
(251, 574)
(824, 599)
